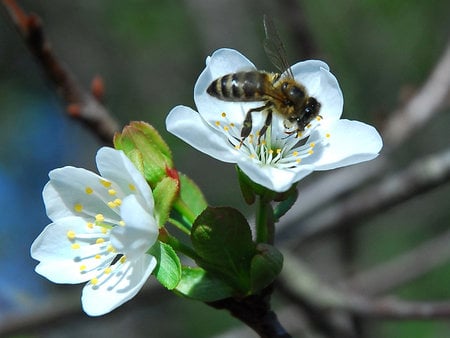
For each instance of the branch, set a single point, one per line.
(422, 176)
(80, 104)
(403, 268)
(255, 312)
(303, 286)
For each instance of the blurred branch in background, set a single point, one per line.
(81, 105)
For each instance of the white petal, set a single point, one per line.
(350, 142)
(65, 194)
(59, 262)
(187, 124)
(140, 231)
(275, 179)
(322, 85)
(115, 289)
(116, 166)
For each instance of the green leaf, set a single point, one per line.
(191, 194)
(222, 239)
(164, 195)
(266, 265)
(198, 284)
(168, 268)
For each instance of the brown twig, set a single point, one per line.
(303, 286)
(80, 104)
(403, 268)
(420, 177)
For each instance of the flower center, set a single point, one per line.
(276, 147)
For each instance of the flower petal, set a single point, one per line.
(350, 142)
(275, 179)
(62, 263)
(113, 290)
(187, 124)
(140, 231)
(116, 166)
(322, 85)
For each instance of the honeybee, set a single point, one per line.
(281, 93)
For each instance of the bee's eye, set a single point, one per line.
(296, 94)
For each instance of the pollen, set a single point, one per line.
(99, 218)
(132, 187)
(89, 190)
(78, 207)
(71, 234)
(319, 118)
(105, 183)
(75, 246)
(100, 241)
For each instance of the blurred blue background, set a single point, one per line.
(149, 55)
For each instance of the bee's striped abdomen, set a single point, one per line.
(241, 86)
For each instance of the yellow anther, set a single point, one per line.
(309, 125)
(217, 123)
(82, 267)
(232, 124)
(312, 144)
(71, 234)
(295, 153)
(105, 183)
(97, 256)
(112, 192)
(237, 146)
(78, 207)
(123, 259)
(94, 281)
(90, 225)
(226, 128)
(75, 246)
(278, 150)
(327, 135)
(224, 114)
(132, 187)
(310, 151)
(118, 201)
(110, 248)
(89, 190)
(270, 151)
(111, 204)
(298, 160)
(99, 218)
(100, 241)
(122, 223)
(104, 230)
(318, 118)
(107, 271)
(263, 142)
(252, 156)
(299, 134)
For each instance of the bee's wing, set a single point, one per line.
(274, 47)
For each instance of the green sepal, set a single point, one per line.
(164, 195)
(155, 156)
(266, 265)
(290, 197)
(223, 241)
(168, 268)
(246, 186)
(191, 194)
(200, 285)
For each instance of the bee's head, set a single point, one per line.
(294, 93)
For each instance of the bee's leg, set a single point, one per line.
(247, 124)
(267, 124)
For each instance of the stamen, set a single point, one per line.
(132, 187)
(112, 192)
(71, 234)
(78, 207)
(105, 183)
(89, 190)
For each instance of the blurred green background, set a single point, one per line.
(149, 54)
